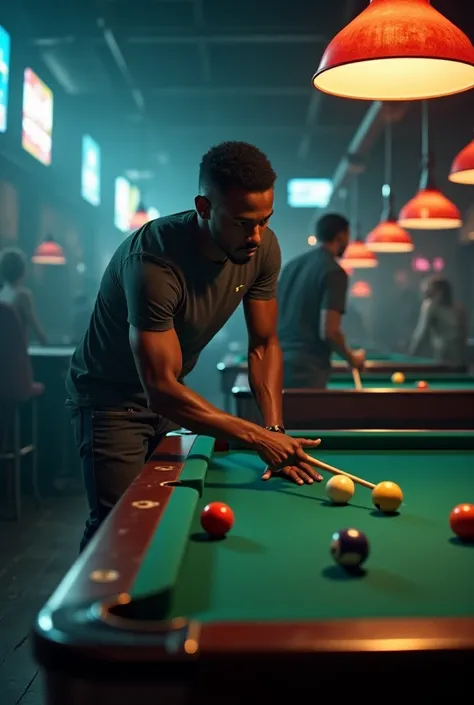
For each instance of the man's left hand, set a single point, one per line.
(305, 474)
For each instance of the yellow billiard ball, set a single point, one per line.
(387, 496)
(340, 489)
(398, 378)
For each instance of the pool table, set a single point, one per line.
(447, 403)
(378, 365)
(154, 611)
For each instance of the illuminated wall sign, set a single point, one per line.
(90, 181)
(422, 264)
(4, 76)
(37, 124)
(122, 204)
(309, 193)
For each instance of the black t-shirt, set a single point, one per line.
(309, 284)
(159, 279)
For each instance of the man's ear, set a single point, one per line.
(203, 207)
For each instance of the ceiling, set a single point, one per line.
(173, 69)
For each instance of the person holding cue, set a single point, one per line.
(168, 289)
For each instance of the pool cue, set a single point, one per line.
(356, 378)
(335, 471)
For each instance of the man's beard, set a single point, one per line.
(239, 257)
(341, 251)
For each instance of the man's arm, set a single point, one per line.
(159, 360)
(264, 353)
(265, 359)
(154, 296)
(334, 304)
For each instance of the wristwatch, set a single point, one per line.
(276, 429)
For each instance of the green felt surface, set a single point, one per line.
(435, 383)
(275, 563)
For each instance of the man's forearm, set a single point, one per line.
(266, 381)
(180, 404)
(338, 343)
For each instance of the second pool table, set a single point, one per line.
(447, 403)
(154, 611)
(378, 365)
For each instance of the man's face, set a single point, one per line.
(343, 239)
(237, 221)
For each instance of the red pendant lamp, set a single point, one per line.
(429, 209)
(462, 169)
(140, 217)
(388, 236)
(49, 252)
(361, 290)
(397, 50)
(357, 254)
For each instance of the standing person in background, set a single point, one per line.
(442, 322)
(312, 294)
(12, 276)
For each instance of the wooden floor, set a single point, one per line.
(35, 553)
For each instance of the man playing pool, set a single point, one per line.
(312, 295)
(168, 289)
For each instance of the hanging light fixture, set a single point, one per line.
(462, 169)
(49, 252)
(361, 290)
(357, 254)
(429, 209)
(397, 50)
(140, 217)
(388, 236)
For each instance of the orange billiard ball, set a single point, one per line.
(422, 384)
(461, 521)
(217, 519)
(398, 378)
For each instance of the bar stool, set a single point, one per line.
(17, 388)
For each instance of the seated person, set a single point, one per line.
(12, 275)
(312, 293)
(442, 323)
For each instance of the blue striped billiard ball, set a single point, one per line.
(349, 548)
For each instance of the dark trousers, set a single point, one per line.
(113, 446)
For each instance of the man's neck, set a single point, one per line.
(208, 247)
(329, 248)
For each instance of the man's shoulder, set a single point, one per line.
(160, 239)
(332, 267)
(162, 236)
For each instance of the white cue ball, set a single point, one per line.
(340, 489)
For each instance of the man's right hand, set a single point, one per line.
(358, 359)
(277, 450)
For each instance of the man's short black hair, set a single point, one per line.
(329, 226)
(236, 165)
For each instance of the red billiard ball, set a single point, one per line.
(461, 521)
(422, 385)
(217, 519)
